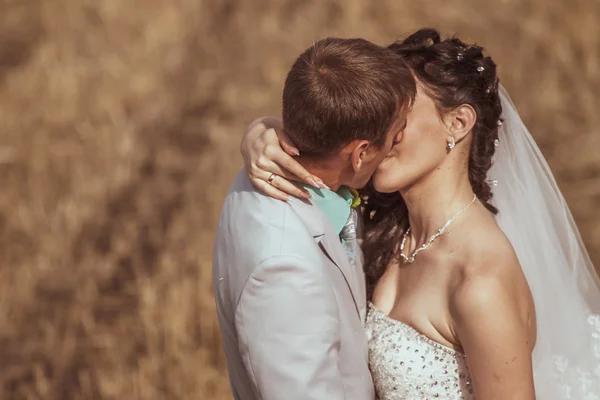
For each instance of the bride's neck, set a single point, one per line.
(435, 199)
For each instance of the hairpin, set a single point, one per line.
(480, 68)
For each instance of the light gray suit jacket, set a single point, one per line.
(290, 306)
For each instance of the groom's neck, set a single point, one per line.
(330, 171)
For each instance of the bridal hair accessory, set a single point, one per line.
(461, 53)
(439, 233)
(480, 68)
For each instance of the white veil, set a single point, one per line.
(566, 291)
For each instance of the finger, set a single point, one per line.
(320, 183)
(269, 190)
(283, 185)
(254, 123)
(282, 181)
(286, 143)
(264, 167)
(287, 165)
(273, 122)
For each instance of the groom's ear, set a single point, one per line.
(359, 152)
(460, 121)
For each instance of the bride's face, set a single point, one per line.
(420, 149)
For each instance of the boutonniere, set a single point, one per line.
(355, 198)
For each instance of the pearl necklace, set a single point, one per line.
(440, 231)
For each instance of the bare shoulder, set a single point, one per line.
(492, 313)
(488, 252)
(490, 278)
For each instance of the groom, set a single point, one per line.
(289, 287)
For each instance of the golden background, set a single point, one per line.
(120, 125)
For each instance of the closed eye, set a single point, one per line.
(398, 136)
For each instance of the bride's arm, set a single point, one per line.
(491, 322)
(267, 150)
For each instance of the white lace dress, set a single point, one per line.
(407, 365)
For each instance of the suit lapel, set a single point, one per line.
(329, 243)
(335, 252)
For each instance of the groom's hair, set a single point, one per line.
(340, 90)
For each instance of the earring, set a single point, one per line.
(451, 143)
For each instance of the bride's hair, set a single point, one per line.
(452, 73)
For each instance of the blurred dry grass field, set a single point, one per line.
(120, 123)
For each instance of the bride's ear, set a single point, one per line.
(460, 121)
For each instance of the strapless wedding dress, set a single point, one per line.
(407, 365)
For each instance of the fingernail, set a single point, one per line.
(314, 183)
(296, 153)
(322, 184)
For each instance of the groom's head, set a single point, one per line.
(344, 103)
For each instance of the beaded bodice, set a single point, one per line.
(407, 365)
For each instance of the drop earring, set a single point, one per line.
(451, 143)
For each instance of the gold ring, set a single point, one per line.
(271, 177)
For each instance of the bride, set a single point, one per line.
(479, 283)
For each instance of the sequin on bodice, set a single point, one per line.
(407, 365)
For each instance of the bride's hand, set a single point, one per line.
(266, 151)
